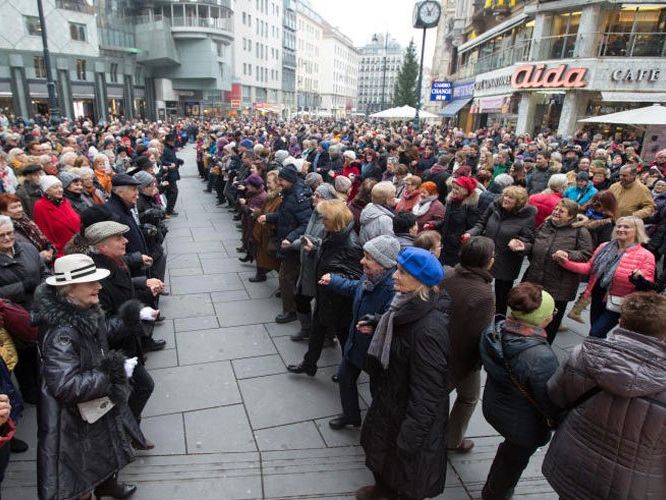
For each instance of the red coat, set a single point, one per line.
(58, 223)
(544, 203)
(354, 169)
(634, 258)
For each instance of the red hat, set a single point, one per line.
(463, 170)
(468, 183)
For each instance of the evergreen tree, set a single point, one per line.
(405, 91)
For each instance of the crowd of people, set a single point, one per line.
(403, 247)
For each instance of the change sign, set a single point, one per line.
(441, 91)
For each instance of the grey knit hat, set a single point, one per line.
(384, 249)
(342, 184)
(67, 178)
(144, 178)
(326, 191)
(313, 179)
(281, 155)
(98, 232)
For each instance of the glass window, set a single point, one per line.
(114, 73)
(636, 31)
(77, 32)
(33, 26)
(81, 69)
(40, 67)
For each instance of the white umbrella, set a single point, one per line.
(402, 113)
(649, 115)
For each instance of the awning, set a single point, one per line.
(454, 107)
(495, 104)
(651, 97)
(497, 30)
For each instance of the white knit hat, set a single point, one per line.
(48, 181)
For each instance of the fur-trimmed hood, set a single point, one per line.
(587, 223)
(49, 310)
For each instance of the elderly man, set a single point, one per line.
(118, 297)
(29, 191)
(633, 197)
(124, 195)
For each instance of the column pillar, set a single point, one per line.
(128, 96)
(64, 88)
(526, 113)
(574, 106)
(19, 86)
(542, 28)
(589, 35)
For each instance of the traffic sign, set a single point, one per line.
(441, 91)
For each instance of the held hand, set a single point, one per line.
(515, 245)
(156, 286)
(560, 256)
(465, 238)
(325, 280)
(637, 273)
(149, 314)
(428, 227)
(242, 201)
(147, 260)
(5, 409)
(307, 244)
(364, 328)
(285, 244)
(261, 219)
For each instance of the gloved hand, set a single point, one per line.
(130, 364)
(148, 314)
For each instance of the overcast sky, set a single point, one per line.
(359, 19)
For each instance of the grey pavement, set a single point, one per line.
(228, 421)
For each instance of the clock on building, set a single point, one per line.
(426, 14)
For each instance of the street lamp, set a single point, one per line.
(54, 112)
(425, 16)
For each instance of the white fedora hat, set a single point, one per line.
(75, 268)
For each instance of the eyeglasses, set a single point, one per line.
(7, 235)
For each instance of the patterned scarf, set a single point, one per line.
(380, 345)
(606, 262)
(31, 231)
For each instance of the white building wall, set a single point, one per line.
(257, 50)
(338, 73)
(309, 40)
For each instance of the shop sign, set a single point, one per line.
(492, 83)
(536, 76)
(441, 91)
(235, 103)
(636, 75)
(463, 90)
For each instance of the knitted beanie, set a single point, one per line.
(384, 249)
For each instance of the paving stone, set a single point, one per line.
(205, 234)
(214, 382)
(187, 306)
(288, 398)
(226, 265)
(289, 437)
(292, 352)
(217, 254)
(186, 271)
(162, 359)
(350, 436)
(197, 323)
(164, 330)
(167, 432)
(181, 285)
(223, 343)
(195, 247)
(179, 261)
(224, 429)
(230, 296)
(282, 329)
(26, 431)
(258, 367)
(247, 313)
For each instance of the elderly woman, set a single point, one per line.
(8, 180)
(610, 269)
(506, 221)
(103, 172)
(377, 216)
(17, 160)
(338, 252)
(91, 192)
(254, 198)
(24, 228)
(351, 168)
(54, 214)
(85, 428)
(556, 238)
(519, 361)
(404, 433)
(263, 235)
(429, 210)
(411, 194)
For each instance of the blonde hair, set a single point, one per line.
(641, 234)
(337, 212)
(518, 193)
(382, 192)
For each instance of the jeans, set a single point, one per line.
(142, 388)
(601, 319)
(502, 289)
(467, 395)
(509, 463)
(347, 377)
(554, 325)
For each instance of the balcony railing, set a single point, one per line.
(498, 59)
(618, 44)
(203, 22)
(556, 47)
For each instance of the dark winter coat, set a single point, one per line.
(532, 360)
(135, 240)
(613, 445)
(366, 301)
(152, 213)
(29, 194)
(472, 309)
(544, 271)
(78, 201)
(488, 197)
(538, 179)
(371, 171)
(77, 366)
(404, 432)
(307, 278)
(169, 157)
(21, 275)
(458, 219)
(293, 215)
(501, 227)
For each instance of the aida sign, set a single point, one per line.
(537, 76)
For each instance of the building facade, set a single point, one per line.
(309, 38)
(380, 62)
(548, 64)
(338, 73)
(288, 57)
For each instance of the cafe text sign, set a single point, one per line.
(538, 76)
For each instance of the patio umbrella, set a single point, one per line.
(402, 113)
(649, 115)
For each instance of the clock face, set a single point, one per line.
(429, 12)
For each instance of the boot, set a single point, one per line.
(112, 488)
(306, 325)
(578, 308)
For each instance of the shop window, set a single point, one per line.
(33, 25)
(81, 69)
(635, 32)
(77, 32)
(40, 67)
(114, 73)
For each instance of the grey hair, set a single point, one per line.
(558, 182)
(6, 221)
(504, 180)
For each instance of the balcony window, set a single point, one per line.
(635, 32)
(81, 69)
(40, 67)
(33, 25)
(77, 32)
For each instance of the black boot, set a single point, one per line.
(302, 368)
(248, 258)
(112, 488)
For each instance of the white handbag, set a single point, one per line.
(614, 303)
